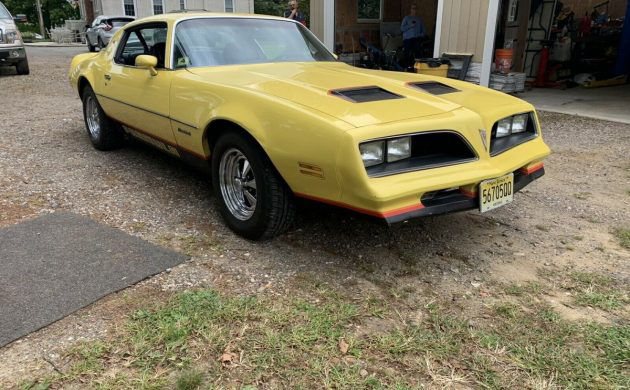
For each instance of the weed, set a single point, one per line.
(532, 288)
(507, 310)
(582, 195)
(189, 380)
(623, 235)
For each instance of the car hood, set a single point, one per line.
(310, 85)
(7, 24)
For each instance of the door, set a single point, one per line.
(134, 97)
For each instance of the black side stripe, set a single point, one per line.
(149, 111)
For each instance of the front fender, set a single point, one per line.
(303, 144)
(79, 68)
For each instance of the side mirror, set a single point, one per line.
(148, 62)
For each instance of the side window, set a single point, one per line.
(150, 40)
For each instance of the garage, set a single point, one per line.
(570, 55)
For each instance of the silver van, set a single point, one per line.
(12, 51)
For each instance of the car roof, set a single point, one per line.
(116, 17)
(175, 16)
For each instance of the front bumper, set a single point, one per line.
(11, 55)
(441, 201)
(444, 202)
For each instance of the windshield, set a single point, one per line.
(118, 22)
(4, 13)
(231, 41)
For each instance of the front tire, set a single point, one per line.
(252, 197)
(104, 133)
(22, 67)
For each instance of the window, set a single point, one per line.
(369, 10)
(158, 7)
(130, 7)
(182, 5)
(229, 5)
(230, 41)
(150, 39)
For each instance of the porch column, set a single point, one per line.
(438, 29)
(488, 45)
(323, 21)
(329, 24)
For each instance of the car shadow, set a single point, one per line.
(363, 242)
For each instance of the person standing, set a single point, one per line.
(294, 13)
(412, 29)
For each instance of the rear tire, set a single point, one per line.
(104, 133)
(268, 207)
(22, 67)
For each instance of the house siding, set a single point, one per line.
(463, 27)
(145, 7)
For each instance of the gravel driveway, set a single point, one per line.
(565, 220)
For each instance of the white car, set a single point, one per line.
(12, 51)
(103, 28)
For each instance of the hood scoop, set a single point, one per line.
(433, 87)
(364, 94)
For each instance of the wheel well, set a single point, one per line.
(82, 84)
(220, 126)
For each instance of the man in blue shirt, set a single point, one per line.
(412, 30)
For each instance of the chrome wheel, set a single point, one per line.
(238, 184)
(92, 117)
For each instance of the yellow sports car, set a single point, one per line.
(269, 111)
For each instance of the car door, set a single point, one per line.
(135, 98)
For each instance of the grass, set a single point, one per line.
(623, 235)
(596, 290)
(189, 380)
(201, 339)
(527, 289)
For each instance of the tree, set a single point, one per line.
(55, 12)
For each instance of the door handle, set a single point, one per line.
(108, 77)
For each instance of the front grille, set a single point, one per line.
(432, 149)
(364, 94)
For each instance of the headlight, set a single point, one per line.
(519, 123)
(504, 127)
(372, 153)
(12, 36)
(398, 149)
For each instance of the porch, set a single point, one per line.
(451, 26)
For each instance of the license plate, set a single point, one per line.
(495, 193)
